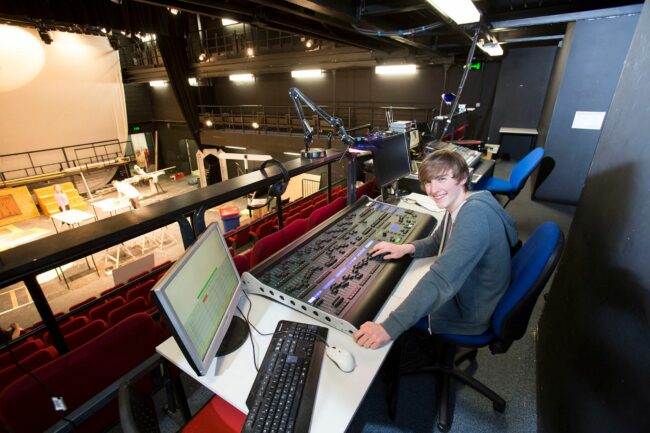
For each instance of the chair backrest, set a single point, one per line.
(524, 167)
(270, 244)
(68, 327)
(100, 312)
(85, 334)
(77, 376)
(20, 351)
(242, 262)
(140, 290)
(321, 214)
(531, 268)
(82, 303)
(136, 305)
(35, 360)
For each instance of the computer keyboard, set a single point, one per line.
(283, 394)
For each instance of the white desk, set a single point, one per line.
(71, 217)
(111, 205)
(339, 394)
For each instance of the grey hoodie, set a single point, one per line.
(464, 284)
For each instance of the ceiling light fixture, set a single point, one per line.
(395, 70)
(255, 125)
(173, 11)
(202, 57)
(208, 123)
(228, 22)
(158, 83)
(242, 77)
(491, 48)
(460, 11)
(193, 81)
(309, 43)
(307, 73)
(250, 52)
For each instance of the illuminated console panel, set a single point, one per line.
(328, 273)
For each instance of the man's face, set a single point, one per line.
(446, 191)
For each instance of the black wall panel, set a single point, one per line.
(597, 52)
(523, 83)
(138, 103)
(594, 332)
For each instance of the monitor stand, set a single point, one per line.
(235, 336)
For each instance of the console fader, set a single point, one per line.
(328, 272)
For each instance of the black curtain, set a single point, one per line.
(173, 50)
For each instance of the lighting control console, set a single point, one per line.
(329, 274)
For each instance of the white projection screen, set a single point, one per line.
(67, 93)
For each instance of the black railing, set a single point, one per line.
(25, 262)
(61, 159)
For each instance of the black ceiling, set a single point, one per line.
(390, 26)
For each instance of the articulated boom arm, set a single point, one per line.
(298, 99)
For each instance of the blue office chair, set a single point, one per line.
(532, 266)
(511, 187)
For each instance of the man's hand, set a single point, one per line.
(391, 251)
(371, 336)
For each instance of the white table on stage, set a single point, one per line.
(111, 205)
(72, 217)
(339, 394)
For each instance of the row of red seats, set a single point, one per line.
(265, 225)
(272, 243)
(26, 403)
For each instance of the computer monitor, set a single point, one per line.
(198, 297)
(391, 158)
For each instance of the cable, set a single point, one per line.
(59, 404)
(266, 334)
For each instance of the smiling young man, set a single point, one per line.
(472, 267)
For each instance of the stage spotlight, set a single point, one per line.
(202, 57)
(309, 43)
(250, 52)
(45, 36)
(208, 123)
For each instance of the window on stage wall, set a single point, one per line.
(59, 94)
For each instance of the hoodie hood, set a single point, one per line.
(508, 222)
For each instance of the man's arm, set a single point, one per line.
(447, 274)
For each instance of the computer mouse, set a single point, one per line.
(342, 358)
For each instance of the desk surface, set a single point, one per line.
(112, 204)
(72, 216)
(339, 394)
(521, 131)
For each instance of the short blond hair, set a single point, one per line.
(442, 161)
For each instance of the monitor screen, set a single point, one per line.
(391, 159)
(198, 297)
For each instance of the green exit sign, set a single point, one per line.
(135, 129)
(475, 66)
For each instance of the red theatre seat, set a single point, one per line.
(100, 312)
(33, 361)
(26, 405)
(140, 290)
(21, 351)
(275, 241)
(82, 303)
(136, 305)
(320, 215)
(262, 230)
(85, 334)
(68, 327)
(242, 262)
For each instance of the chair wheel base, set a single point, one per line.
(499, 407)
(444, 427)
